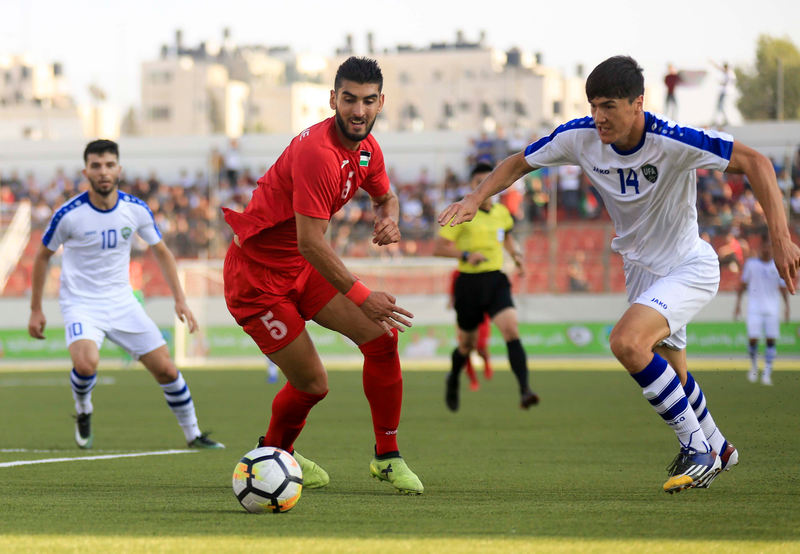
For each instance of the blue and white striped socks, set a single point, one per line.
(82, 391)
(179, 399)
(698, 401)
(662, 388)
(752, 350)
(770, 353)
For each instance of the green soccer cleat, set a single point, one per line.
(83, 431)
(204, 443)
(396, 472)
(314, 477)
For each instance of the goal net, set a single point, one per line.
(422, 285)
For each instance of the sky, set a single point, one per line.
(105, 42)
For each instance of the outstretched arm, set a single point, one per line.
(761, 174)
(37, 321)
(503, 176)
(379, 306)
(166, 261)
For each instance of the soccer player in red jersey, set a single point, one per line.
(280, 272)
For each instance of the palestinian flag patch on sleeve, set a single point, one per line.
(364, 160)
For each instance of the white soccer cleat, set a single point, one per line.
(752, 375)
(766, 379)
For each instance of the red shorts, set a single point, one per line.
(272, 306)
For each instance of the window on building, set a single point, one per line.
(8, 77)
(464, 106)
(26, 71)
(519, 108)
(437, 75)
(557, 107)
(410, 111)
(159, 114)
(486, 110)
(449, 110)
(404, 77)
(160, 77)
(469, 74)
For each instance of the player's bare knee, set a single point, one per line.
(316, 384)
(510, 333)
(630, 351)
(86, 366)
(467, 342)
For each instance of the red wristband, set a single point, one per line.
(358, 293)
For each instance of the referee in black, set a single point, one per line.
(482, 287)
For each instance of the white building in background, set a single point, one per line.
(35, 104)
(470, 86)
(231, 89)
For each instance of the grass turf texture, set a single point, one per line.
(583, 471)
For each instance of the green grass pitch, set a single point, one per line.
(581, 472)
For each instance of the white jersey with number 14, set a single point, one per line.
(650, 191)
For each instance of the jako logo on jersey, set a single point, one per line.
(91, 233)
(603, 171)
(650, 173)
(659, 302)
(344, 163)
(126, 232)
(305, 133)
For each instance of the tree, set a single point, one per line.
(759, 86)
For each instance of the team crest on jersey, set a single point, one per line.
(650, 173)
(126, 232)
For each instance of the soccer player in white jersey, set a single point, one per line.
(761, 280)
(96, 229)
(644, 168)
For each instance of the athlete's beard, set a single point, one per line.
(352, 136)
(103, 192)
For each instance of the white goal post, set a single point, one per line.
(422, 284)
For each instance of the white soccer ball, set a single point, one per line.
(268, 479)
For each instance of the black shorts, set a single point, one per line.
(477, 294)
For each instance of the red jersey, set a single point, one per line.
(315, 176)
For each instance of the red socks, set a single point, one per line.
(289, 411)
(383, 386)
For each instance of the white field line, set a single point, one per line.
(88, 458)
(56, 382)
(71, 450)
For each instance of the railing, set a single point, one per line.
(14, 239)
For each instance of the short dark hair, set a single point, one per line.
(482, 167)
(359, 70)
(617, 77)
(100, 147)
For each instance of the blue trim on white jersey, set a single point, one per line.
(59, 215)
(648, 122)
(581, 123)
(142, 203)
(95, 208)
(703, 140)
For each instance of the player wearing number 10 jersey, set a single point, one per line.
(280, 272)
(96, 229)
(644, 168)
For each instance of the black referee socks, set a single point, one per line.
(519, 363)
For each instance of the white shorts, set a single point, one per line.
(123, 322)
(763, 326)
(679, 294)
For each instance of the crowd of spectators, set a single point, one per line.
(187, 211)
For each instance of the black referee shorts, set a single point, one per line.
(477, 294)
